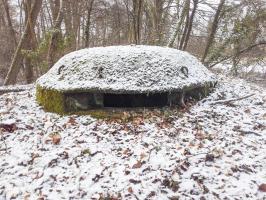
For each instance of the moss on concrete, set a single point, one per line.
(54, 101)
(51, 100)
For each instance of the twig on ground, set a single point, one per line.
(249, 132)
(231, 100)
(18, 88)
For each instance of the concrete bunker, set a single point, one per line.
(123, 77)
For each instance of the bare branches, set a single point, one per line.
(240, 52)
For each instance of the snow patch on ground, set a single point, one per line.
(210, 151)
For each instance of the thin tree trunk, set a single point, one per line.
(68, 18)
(31, 44)
(88, 23)
(9, 22)
(213, 30)
(18, 57)
(178, 25)
(156, 10)
(191, 19)
(139, 20)
(137, 7)
(55, 36)
(76, 21)
(55, 7)
(186, 26)
(128, 21)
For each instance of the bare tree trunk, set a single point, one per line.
(68, 18)
(191, 19)
(158, 14)
(55, 36)
(137, 14)
(55, 7)
(129, 39)
(9, 21)
(88, 23)
(18, 57)
(213, 30)
(178, 25)
(29, 75)
(154, 12)
(186, 25)
(76, 21)
(31, 44)
(2, 20)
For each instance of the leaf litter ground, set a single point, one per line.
(211, 150)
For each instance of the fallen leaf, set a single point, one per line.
(126, 152)
(209, 157)
(130, 190)
(56, 138)
(152, 193)
(8, 127)
(142, 155)
(29, 127)
(134, 181)
(137, 165)
(262, 187)
(72, 121)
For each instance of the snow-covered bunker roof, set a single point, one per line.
(126, 69)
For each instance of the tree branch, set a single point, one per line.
(240, 52)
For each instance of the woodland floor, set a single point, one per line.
(214, 149)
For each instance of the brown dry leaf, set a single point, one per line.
(191, 144)
(72, 121)
(137, 165)
(262, 187)
(8, 127)
(200, 135)
(130, 190)
(138, 121)
(55, 137)
(126, 152)
(27, 196)
(142, 155)
(29, 127)
(126, 128)
(163, 125)
(179, 148)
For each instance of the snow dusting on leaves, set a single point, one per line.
(208, 151)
